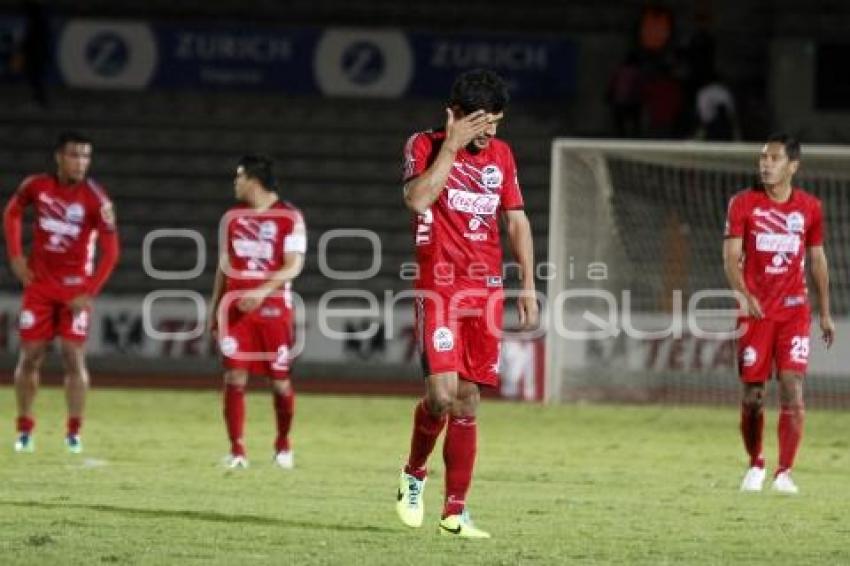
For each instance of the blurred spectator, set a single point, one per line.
(715, 107)
(700, 49)
(697, 55)
(662, 99)
(35, 49)
(624, 97)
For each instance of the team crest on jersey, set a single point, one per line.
(749, 356)
(228, 345)
(491, 177)
(794, 222)
(75, 213)
(268, 230)
(26, 319)
(444, 339)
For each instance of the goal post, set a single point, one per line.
(638, 308)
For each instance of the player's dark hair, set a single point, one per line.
(479, 89)
(792, 145)
(261, 168)
(70, 136)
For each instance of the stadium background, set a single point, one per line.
(173, 93)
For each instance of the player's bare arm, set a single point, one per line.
(21, 269)
(217, 292)
(292, 267)
(421, 192)
(109, 252)
(820, 276)
(733, 253)
(522, 247)
(12, 226)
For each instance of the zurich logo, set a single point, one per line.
(107, 54)
(363, 62)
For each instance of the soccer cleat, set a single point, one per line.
(285, 459)
(25, 443)
(753, 479)
(461, 526)
(235, 461)
(784, 484)
(74, 444)
(409, 504)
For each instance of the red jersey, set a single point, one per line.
(775, 237)
(457, 238)
(68, 219)
(257, 241)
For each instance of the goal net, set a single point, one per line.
(638, 304)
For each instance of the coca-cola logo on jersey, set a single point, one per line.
(473, 203)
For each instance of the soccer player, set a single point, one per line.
(72, 214)
(458, 182)
(251, 307)
(769, 229)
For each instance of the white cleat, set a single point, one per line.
(753, 479)
(409, 504)
(235, 462)
(24, 443)
(784, 484)
(285, 459)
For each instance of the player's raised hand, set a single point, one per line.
(21, 270)
(827, 328)
(529, 311)
(461, 132)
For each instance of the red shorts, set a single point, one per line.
(45, 314)
(259, 342)
(458, 337)
(768, 343)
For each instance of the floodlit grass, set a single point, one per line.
(555, 485)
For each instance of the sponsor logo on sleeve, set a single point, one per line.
(107, 214)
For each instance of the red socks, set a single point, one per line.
(234, 417)
(790, 432)
(459, 451)
(74, 425)
(25, 425)
(752, 428)
(284, 408)
(426, 430)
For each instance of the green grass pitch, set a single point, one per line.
(555, 485)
